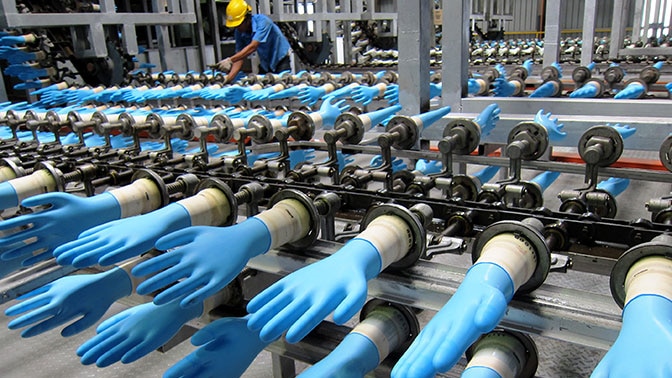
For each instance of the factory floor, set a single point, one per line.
(50, 355)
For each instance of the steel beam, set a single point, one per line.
(617, 28)
(414, 56)
(455, 58)
(46, 20)
(589, 14)
(552, 32)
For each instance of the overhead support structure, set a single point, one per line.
(552, 32)
(455, 67)
(414, 35)
(589, 15)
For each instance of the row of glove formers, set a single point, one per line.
(527, 141)
(509, 258)
(584, 84)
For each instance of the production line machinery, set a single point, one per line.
(315, 210)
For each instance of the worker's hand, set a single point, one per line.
(197, 268)
(291, 305)
(644, 342)
(476, 308)
(228, 337)
(136, 332)
(65, 218)
(114, 242)
(225, 65)
(83, 297)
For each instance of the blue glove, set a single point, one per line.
(292, 91)
(116, 241)
(53, 87)
(428, 167)
(544, 90)
(528, 66)
(643, 345)
(435, 90)
(259, 95)
(486, 174)
(473, 86)
(8, 267)
(589, 90)
(66, 216)
(355, 356)
(310, 95)
(625, 130)
(29, 85)
(487, 119)
(365, 95)
(502, 70)
(658, 65)
(200, 269)
(300, 156)
(632, 91)
(614, 185)
(553, 127)
(18, 56)
(379, 116)
(228, 337)
(476, 308)
(234, 94)
(84, 295)
(291, 305)
(33, 73)
(136, 332)
(343, 92)
(10, 40)
(392, 94)
(503, 88)
(545, 179)
(669, 87)
(329, 112)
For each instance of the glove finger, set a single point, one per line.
(178, 238)
(116, 352)
(42, 256)
(91, 258)
(308, 321)
(205, 292)
(143, 349)
(163, 279)
(56, 199)
(187, 285)
(33, 317)
(85, 322)
(97, 349)
(284, 319)
(264, 315)
(111, 321)
(156, 264)
(19, 237)
(262, 299)
(350, 306)
(124, 252)
(20, 221)
(46, 325)
(190, 366)
(95, 230)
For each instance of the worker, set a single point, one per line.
(254, 32)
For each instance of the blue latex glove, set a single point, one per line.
(428, 167)
(544, 90)
(545, 179)
(503, 88)
(10, 40)
(658, 65)
(643, 345)
(365, 95)
(53, 87)
(259, 95)
(85, 295)
(234, 94)
(614, 185)
(67, 216)
(397, 163)
(626, 131)
(116, 241)
(528, 66)
(479, 372)
(632, 91)
(473, 86)
(301, 156)
(476, 308)
(343, 92)
(355, 356)
(8, 267)
(330, 111)
(392, 94)
(201, 269)
(551, 125)
(18, 56)
(669, 87)
(435, 90)
(290, 92)
(228, 337)
(486, 174)
(136, 332)
(589, 90)
(34, 73)
(310, 95)
(29, 85)
(291, 305)
(502, 70)
(487, 119)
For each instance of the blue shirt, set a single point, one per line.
(273, 46)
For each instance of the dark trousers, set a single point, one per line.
(283, 65)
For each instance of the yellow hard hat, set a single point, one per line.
(236, 12)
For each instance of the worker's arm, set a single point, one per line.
(236, 60)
